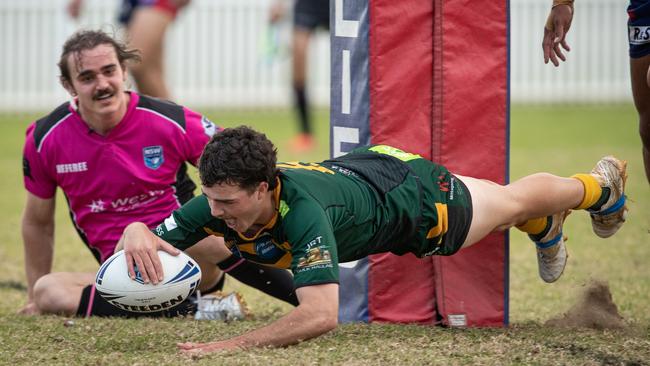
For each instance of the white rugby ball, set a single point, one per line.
(181, 277)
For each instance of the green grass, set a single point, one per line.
(561, 140)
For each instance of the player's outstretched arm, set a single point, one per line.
(555, 30)
(38, 239)
(317, 314)
(141, 247)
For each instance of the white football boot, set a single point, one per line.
(219, 306)
(610, 173)
(551, 251)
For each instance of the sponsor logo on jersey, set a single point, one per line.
(132, 202)
(265, 248)
(81, 166)
(96, 206)
(442, 185)
(153, 156)
(316, 257)
(208, 127)
(345, 171)
(639, 34)
(124, 204)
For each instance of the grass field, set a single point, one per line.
(560, 140)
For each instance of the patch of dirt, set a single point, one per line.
(594, 309)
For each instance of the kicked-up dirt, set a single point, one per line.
(594, 309)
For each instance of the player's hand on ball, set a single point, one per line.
(141, 249)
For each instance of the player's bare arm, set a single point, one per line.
(38, 239)
(317, 314)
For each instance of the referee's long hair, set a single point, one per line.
(240, 156)
(86, 40)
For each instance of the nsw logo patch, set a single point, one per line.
(153, 156)
(208, 127)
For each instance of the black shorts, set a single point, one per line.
(311, 14)
(638, 27)
(92, 304)
(128, 7)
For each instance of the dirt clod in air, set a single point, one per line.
(594, 309)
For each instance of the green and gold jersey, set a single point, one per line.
(369, 201)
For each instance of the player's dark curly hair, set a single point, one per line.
(89, 39)
(239, 156)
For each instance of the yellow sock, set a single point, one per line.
(533, 226)
(593, 191)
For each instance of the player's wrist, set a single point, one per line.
(563, 2)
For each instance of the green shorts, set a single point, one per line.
(446, 212)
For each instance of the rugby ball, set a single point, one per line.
(181, 277)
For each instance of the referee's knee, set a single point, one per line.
(51, 296)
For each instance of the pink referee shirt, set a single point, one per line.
(131, 174)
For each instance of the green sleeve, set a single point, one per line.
(313, 246)
(189, 224)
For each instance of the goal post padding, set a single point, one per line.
(429, 77)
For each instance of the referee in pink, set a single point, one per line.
(118, 157)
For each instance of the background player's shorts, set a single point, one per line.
(310, 14)
(128, 7)
(638, 27)
(92, 304)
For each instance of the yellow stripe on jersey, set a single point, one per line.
(443, 222)
(394, 152)
(306, 166)
(212, 232)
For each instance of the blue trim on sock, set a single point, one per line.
(549, 243)
(615, 207)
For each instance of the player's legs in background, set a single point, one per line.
(639, 51)
(640, 74)
(308, 16)
(60, 292)
(304, 141)
(146, 32)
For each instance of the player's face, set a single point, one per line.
(237, 207)
(98, 80)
